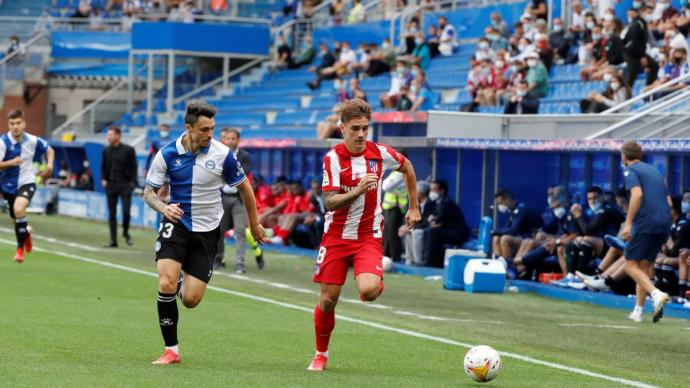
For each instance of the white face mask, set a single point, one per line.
(589, 25)
(532, 63)
(414, 89)
(164, 134)
(594, 206)
(433, 196)
(483, 45)
(648, 17)
(557, 28)
(559, 212)
(418, 41)
(608, 17)
(596, 37)
(500, 64)
(607, 77)
(664, 6)
(385, 45)
(522, 47)
(503, 208)
(615, 86)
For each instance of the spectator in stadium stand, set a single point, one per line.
(538, 9)
(546, 53)
(381, 60)
(529, 27)
(616, 92)
(448, 225)
(522, 102)
(119, 178)
(355, 91)
(283, 54)
(497, 42)
(325, 57)
(128, 19)
(16, 46)
(522, 223)
(340, 68)
(635, 46)
(401, 77)
(607, 49)
(414, 240)
(537, 76)
(682, 20)
(524, 48)
(674, 39)
(514, 73)
(421, 55)
(337, 11)
(498, 23)
(220, 6)
(486, 87)
(319, 207)
(297, 211)
(677, 67)
(394, 205)
(559, 40)
(307, 55)
(484, 50)
(163, 135)
(84, 9)
(410, 34)
(357, 13)
(432, 40)
(448, 39)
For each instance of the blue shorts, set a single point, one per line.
(644, 246)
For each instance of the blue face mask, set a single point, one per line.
(685, 207)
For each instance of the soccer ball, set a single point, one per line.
(482, 363)
(387, 263)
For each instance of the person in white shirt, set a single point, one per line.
(448, 39)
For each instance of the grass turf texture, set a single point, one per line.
(68, 323)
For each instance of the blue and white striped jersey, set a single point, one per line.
(196, 180)
(31, 148)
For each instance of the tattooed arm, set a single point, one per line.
(172, 212)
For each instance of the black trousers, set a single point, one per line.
(392, 243)
(438, 237)
(114, 191)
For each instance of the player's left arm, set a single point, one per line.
(247, 194)
(413, 216)
(50, 159)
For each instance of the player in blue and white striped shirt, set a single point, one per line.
(197, 166)
(18, 151)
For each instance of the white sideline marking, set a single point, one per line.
(597, 326)
(379, 326)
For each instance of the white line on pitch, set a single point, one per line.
(600, 326)
(346, 318)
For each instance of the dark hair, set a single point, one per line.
(505, 194)
(15, 114)
(197, 109)
(442, 184)
(622, 193)
(164, 125)
(676, 202)
(355, 108)
(595, 189)
(631, 150)
(234, 130)
(117, 130)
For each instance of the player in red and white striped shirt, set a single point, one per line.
(353, 171)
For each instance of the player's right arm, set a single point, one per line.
(336, 201)
(154, 180)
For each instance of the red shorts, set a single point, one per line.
(334, 260)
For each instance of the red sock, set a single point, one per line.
(323, 326)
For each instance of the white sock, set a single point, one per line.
(325, 354)
(638, 310)
(175, 349)
(656, 293)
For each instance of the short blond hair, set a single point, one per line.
(352, 109)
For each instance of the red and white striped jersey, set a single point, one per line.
(342, 171)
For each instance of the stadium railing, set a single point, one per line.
(13, 67)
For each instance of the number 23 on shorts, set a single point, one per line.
(167, 229)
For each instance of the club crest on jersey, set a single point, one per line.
(210, 165)
(374, 166)
(177, 163)
(326, 181)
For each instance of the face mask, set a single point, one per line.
(413, 30)
(500, 64)
(594, 206)
(494, 23)
(433, 196)
(685, 207)
(336, 87)
(522, 47)
(521, 93)
(483, 45)
(606, 34)
(385, 45)
(493, 37)
(630, 20)
(608, 17)
(615, 86)
(648, 17)
(165, 134)
(418, 41)
(664, 6)
(503, 208)
(607, 77)
(532, 63)
(596, 37)
(637, 4)
(557, 28)
(589, 25)
(415, 73)
(514, 69)
(559, 212)
(527, 26)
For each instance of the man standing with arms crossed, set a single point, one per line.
(353, 171)
(646, 226)
(197, 167)
(234, 212)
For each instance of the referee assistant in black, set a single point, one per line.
(119, 177)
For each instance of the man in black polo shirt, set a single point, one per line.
(646, 226)
(119, 178)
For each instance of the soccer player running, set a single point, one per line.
(197, 167)
(646, 226)
(353, 230)
(18, 151)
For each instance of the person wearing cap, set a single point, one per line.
(537, 76)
